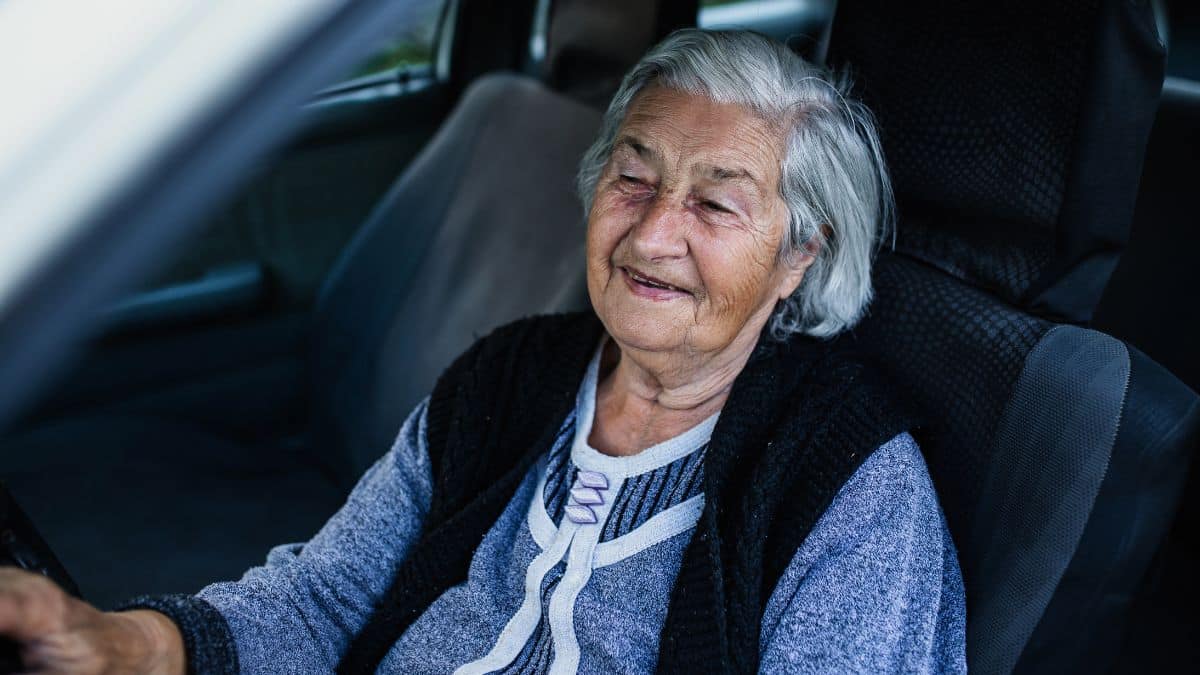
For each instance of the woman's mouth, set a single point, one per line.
(649, 287)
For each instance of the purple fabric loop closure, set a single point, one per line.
(581, 514)
(592, 479)
(586, 493)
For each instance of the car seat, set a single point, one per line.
(1015, 134)
(483, 227)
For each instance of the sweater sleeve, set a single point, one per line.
(299, 611)
(876, 586)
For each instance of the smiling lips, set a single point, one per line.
(649, 287)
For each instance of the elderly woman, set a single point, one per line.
(693, 478)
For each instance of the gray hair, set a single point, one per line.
(833, 179)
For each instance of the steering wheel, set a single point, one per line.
(22, 546)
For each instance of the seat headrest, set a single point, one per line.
(1015, 133)
(591, 45)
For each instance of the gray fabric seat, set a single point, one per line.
(483, 228)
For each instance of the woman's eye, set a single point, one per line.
(633, 180)
(714, 206)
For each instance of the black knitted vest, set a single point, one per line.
(801, 417)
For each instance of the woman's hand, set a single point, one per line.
(57, 633)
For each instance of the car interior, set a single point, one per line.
(1033, 304)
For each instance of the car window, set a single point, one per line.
(412, 45)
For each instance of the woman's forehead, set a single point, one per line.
(673, 127)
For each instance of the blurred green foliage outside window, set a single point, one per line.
(413, 42)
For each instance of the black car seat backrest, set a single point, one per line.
(482, 228)
(1015, 132)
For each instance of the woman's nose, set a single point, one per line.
(661, 233)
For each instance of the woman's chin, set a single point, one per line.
(646, 331)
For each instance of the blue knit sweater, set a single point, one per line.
(874, 588)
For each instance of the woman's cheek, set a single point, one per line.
(621, 213)
(738, 274)
(605, 222)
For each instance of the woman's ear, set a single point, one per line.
(796, 268)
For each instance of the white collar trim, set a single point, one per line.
(590, 459)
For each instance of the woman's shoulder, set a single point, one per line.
(882, 544)
(897, 464)
(892, 484)
(888, 503)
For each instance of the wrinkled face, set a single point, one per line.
(686, 225)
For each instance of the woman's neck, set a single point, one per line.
(641, 402)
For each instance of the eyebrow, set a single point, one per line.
(720, 173)
(637, 146)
